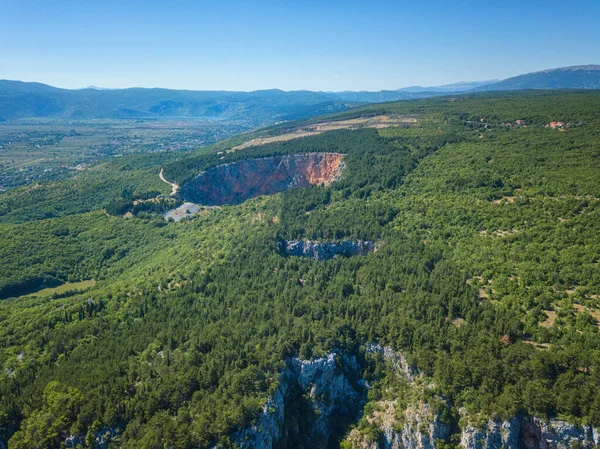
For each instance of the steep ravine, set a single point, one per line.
(238, 181)
(313, 406)
(306, 408)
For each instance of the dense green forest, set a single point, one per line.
(487, 277)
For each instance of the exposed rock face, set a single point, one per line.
(327, 250)
(236, 182)
(330, 383)
(102, 439)
(420, 426)
(398, 361)
(420, 429)
(528, 433)
(495, 434)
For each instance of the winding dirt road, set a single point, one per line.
(174, 187)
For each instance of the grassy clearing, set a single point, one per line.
(79, 286)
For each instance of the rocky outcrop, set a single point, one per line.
(236, 182)
(390, 426)
(307, 406)
(327, 250)
(419, 425)
(399, 363)
(529, 433)
(494, 434)
(102, 438)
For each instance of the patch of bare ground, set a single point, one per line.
(170, 286)
(593, 312)
(549, 322)
(258, 141)
(377, 122)
(484, 291)
(499, 233)
(33, 187)
(573, 290)
(458, 322)
(536, 345)
(505, 199)
(475, 278)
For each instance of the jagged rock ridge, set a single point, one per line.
(238, 181)
(327, 250)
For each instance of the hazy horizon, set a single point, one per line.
(255, 90)
(333, 46)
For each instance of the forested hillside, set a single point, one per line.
(486, 276)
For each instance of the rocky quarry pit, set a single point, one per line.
(236, 182)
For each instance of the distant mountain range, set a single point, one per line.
(575, 77)
(454, 87)
(28, 100)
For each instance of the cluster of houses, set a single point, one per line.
(555, 125)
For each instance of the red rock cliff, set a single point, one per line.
(236, 182)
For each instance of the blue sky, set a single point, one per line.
(316, 45)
